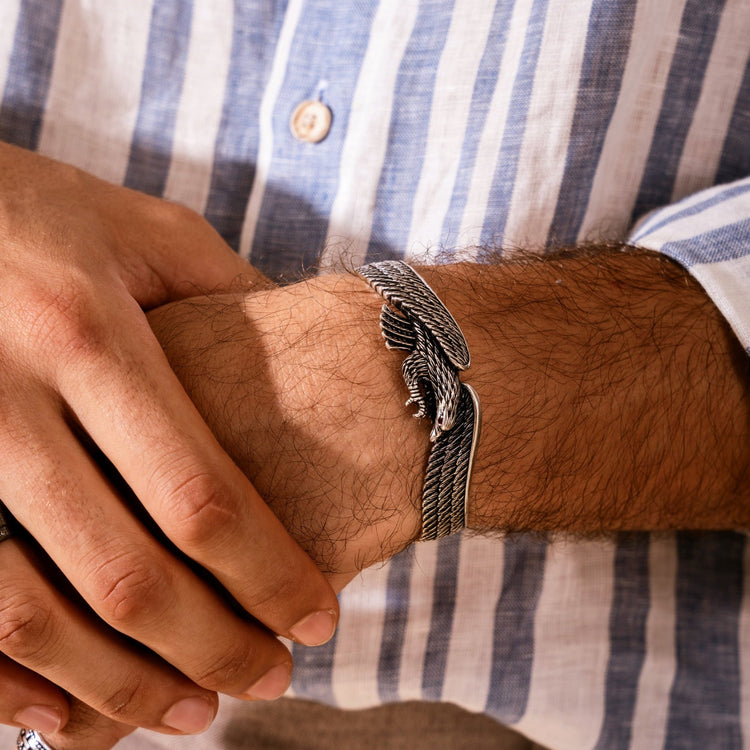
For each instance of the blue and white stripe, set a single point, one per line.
(630, 605)
(90, 120)
(254, 34)
(28, 60)
(649, 721)
(608, 47)
(700, 21)
(462, 686)
(455, 122)
(207, 59)
(735, 161)
(728, 63)
(354, 212)
(610, 198)
(709, 233)
(706, 687)
(9, 29)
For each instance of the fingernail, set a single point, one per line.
(190, 715)
(315, 629)
(45, 719)
(272, 685)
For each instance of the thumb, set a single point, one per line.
(167, 251)
(191, 257)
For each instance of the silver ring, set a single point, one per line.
(6, 523)
(30, 739)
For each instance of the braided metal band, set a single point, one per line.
(415, 320)
(30, 739)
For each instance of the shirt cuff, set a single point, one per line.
(709, 234)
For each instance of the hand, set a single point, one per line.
(79, 259)
(278, 383)
(298, 386)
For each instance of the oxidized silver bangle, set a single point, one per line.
(30, 739)
(415, 320)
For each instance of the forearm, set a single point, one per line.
(613, 397)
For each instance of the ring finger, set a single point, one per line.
(28, 700)
(42, 630)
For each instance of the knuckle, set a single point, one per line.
(184, 218)
(128, 701)
(132, 590)
(228, 671)
(27, 629)
(202, 511)
(65, 320)
(275, 586)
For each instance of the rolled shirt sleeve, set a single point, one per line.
(709, 234)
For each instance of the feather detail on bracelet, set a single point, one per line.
(416, 321)
(429, 332)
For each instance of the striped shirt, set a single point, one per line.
(455, 123)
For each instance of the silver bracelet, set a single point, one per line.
(415, 320)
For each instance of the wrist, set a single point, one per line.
(298, 387)
(341, 392)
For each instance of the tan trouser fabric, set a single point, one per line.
(290, 724)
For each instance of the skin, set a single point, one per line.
(83, 375)
(614, 398)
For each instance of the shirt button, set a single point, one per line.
(310, 121)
